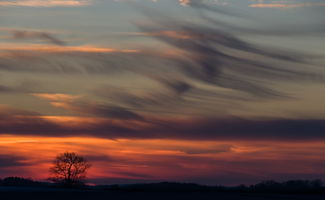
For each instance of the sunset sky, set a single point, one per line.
(205, 91)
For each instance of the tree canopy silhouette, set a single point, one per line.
(69, 169)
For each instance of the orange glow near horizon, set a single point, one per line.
(162, 159)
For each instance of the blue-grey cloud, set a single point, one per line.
(7, 161)
(227, 128)
(29, 34)
(216, 66)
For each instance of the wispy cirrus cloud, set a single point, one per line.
(45, 3)
(184, 2)
(211, 2)
(100, 110)
(19, 34)
(75, 104)
(56, 96)
(57, 49)
(211, 66)
(286, 4)
(6, 89)
(215, 56)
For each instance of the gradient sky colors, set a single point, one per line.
(206, 91)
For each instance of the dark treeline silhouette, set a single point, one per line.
(22, 182)
(18, 181)
(292, 186)
(289, 186)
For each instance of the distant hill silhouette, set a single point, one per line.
(18, 181)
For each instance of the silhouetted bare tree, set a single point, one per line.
(69, 169)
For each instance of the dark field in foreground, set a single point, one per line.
(12, 193)
(12, 188)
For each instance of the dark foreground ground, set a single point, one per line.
(12, 193)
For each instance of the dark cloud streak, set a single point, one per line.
(230, 128)
(23, 34)
(7, 161)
